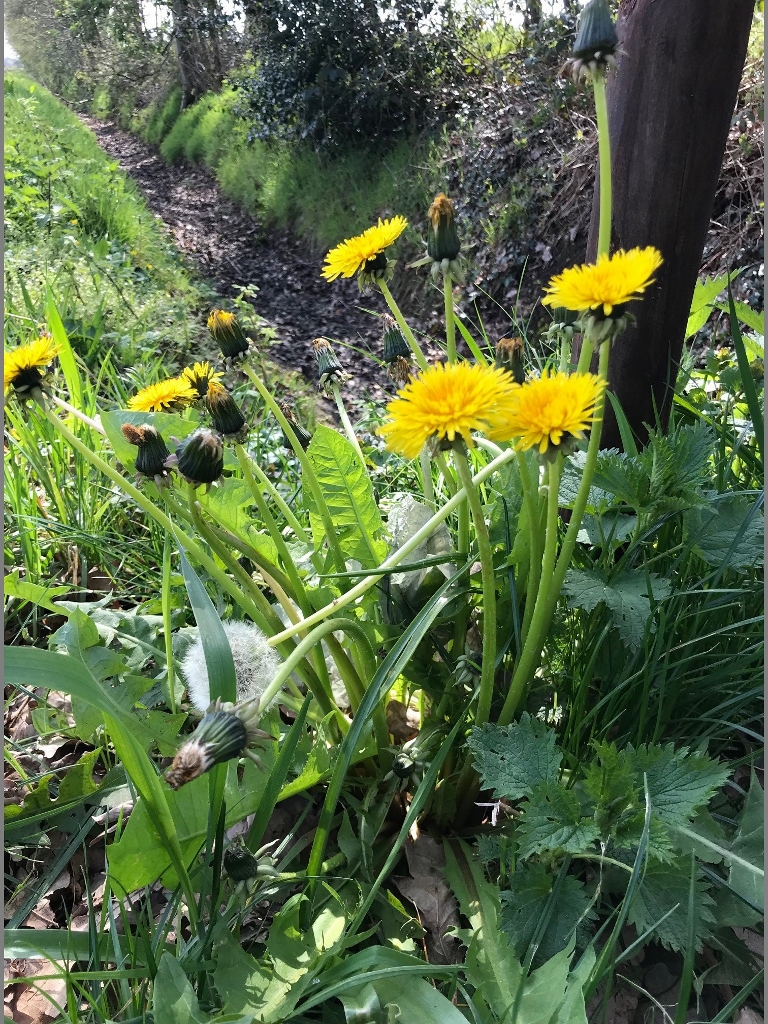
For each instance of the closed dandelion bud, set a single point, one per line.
(200, 457)
(468, 669)
(228, 334)
(394, 342)
(152, 453)
(509, 357)
(303, 435)
(328, 366)
(240, 864)
(226, 416)
(442, 237)
(596, 38)
(219, 737)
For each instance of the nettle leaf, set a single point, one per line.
(727, 529)
(679, 781)
(348, 493)
(599, 498)
(664, 888)
(628, 598)
(552, 820)
(611, 784)
(523, 905)
(513, 759)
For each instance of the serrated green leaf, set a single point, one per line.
(664, 888)
(524, 903)
(552, 820)
(513, 759)
(752, 318)
(728, 528)
(627, 597)
(611, 784)
(173, 998)
(34, 593)
(679, 782)
(348, 493)
(704, 294)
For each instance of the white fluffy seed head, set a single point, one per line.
(256, 665)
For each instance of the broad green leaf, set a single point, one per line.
(34, 593)
(664, 888)
(679, 782)
(348, 493)
(552, 820)
(74, 788)
(627, 597)
(173, 998)
(704, 295)
(415, 1001)
(750, 317)
(524, 903)
(513, 759)
(727, 531)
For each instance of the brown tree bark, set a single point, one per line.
(670, 103)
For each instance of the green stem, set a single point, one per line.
(308, 471)
(167, 626)
(604, 144)
(450, 326)
(284, 507)
(531, 503)
(489, 587)
(531, 652)
(585, 356)
(426, 476)
(397, 556)
(345, 421)
(407, 332)
(78, 415)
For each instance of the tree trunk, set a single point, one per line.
(670, 104)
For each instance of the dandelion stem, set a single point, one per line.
(167, 628)
(284, 507)
(78, 414)
(531, 652)
(489, 587)
(604, 146)
(397, 556)
(345, 421)
(450, 326)
(407, 332)
(426, 476)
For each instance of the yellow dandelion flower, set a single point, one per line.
(353, 254)
(199, 376)
(169, 395)
(612, 281)
(550, 410)
(24, 366)
(447, 401)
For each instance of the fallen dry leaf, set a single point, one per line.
(429, 892)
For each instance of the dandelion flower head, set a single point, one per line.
(199, 376)
(612, 281)
(351, 255)
(552, 408)
(23, 365)
(447, 401)
(169, 395)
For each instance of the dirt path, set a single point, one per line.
(231, 248)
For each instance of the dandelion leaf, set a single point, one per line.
(513, 759)
(173, 998)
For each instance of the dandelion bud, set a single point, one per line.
(442, 237)
(303, 435)
(199, 457)
(330, 369)
(509, 357)
(228, 334)
(152, 453)
(219, 737)
(596, 39)
(394, 342)
(240, 864)
(226, 416)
